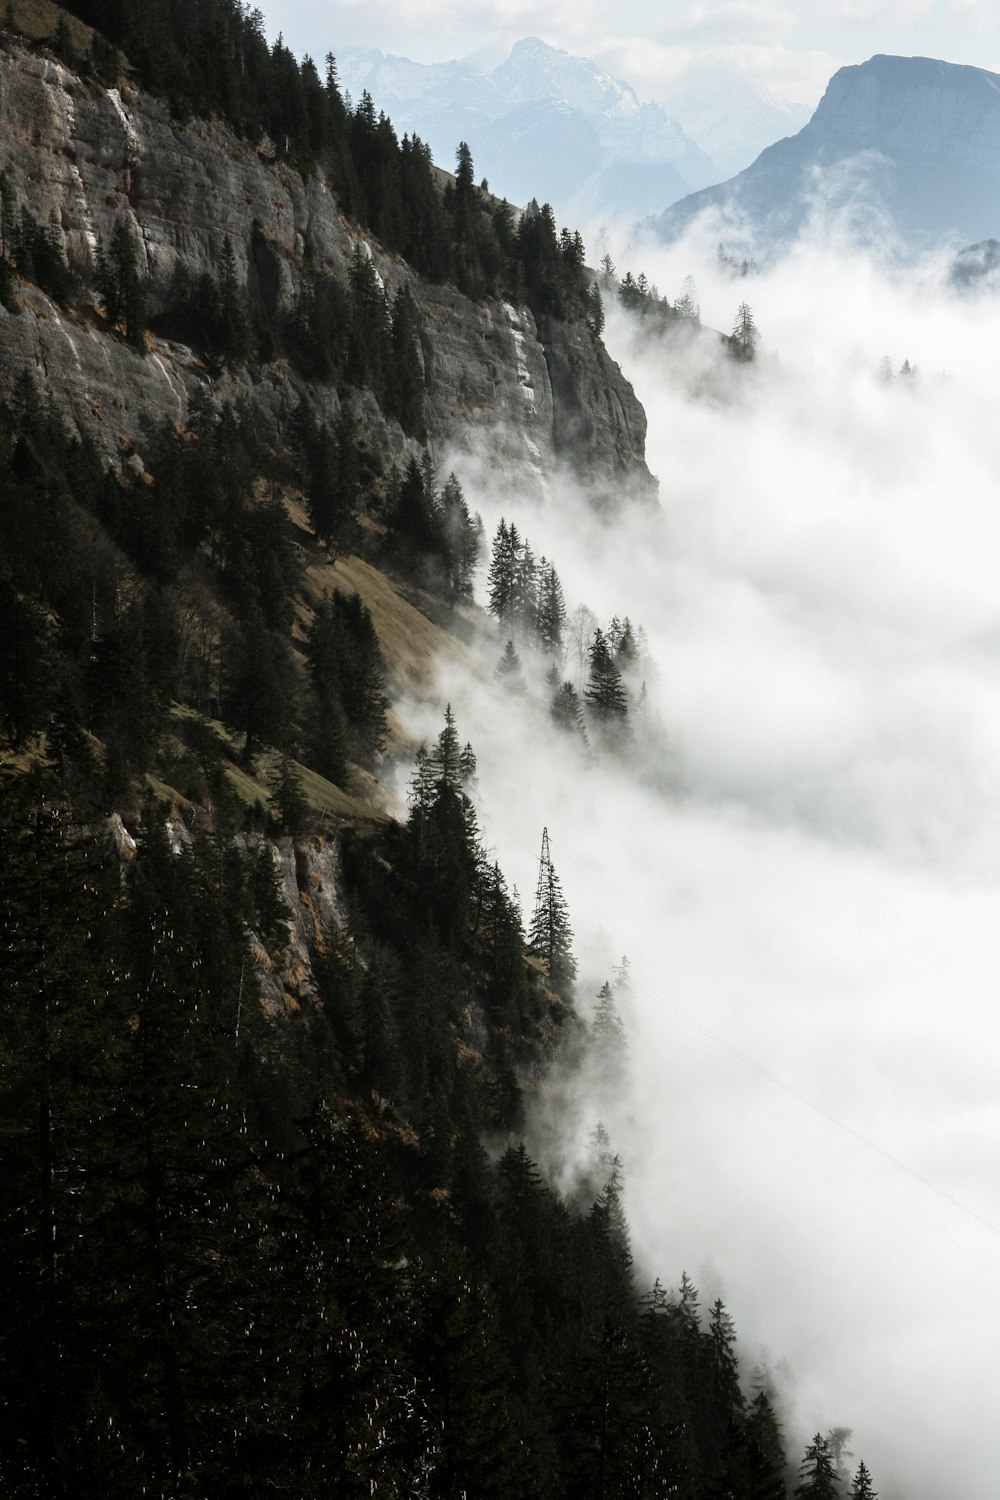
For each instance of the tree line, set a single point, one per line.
(640, 296)
(525, 597)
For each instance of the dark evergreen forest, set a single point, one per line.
(307, 1253)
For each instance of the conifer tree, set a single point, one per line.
(501, 936)
(463, 537)
(448, 756)
(524, 600)
(567, 711)
(422, 783)
(233, 326)
(728, 1396)
(551, 611)
(862, 1489)
(467, 765)
(608, 1034)
(606, 699)
(817, 1474)
(765, 1452)
(288, 801)
(509, 672)
(121, 283)
(745, 335)
(595, 310)
(405, 373)
(686, 305)
(501, 580)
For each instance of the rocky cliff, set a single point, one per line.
(901, 150)
(84, 159)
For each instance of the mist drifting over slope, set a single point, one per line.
(806, 882)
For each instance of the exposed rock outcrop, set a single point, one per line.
(85, 159)
(308, 874)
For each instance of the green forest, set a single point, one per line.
(302, 1249)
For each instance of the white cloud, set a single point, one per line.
(812, 886)
(657, 67)
(735, 20)
(844, 13)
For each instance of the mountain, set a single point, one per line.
(899, 149)
(733, 121)
(271, 1036)
(605, 152)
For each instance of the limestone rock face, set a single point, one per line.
(85, 159)
(597, 417)
(904, 151)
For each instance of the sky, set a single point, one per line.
(807, 879)
(791, 47)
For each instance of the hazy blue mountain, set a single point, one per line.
(542, 125)
(904, 150)
(733, 121)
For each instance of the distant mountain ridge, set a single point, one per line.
(901, 149)
(733, 121)
(605, 152)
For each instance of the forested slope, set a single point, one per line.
(270, 1220)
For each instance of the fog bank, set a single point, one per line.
(805, 880)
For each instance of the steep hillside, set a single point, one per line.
(903, 147)
(91, 162)
(274, 1031)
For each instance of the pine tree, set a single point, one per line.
(728, 1455)
(745, 335)
(817, 1474)
(121, 283)
(567, 711)
(501, 578)
(467, 765)
(405, 374)
(448, 757)
(765, 1453)
(605, 695)
(288, 801)
(423, 783)
(524, 597)
(686, 305)
(626, 647)
(551, 611)
(463, 537)
(608, 1034)
(509, 672)
(595, 310)
(862, 1489)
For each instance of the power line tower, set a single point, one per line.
(551, 936)
(544, 876)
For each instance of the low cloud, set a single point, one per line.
(804, 875)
